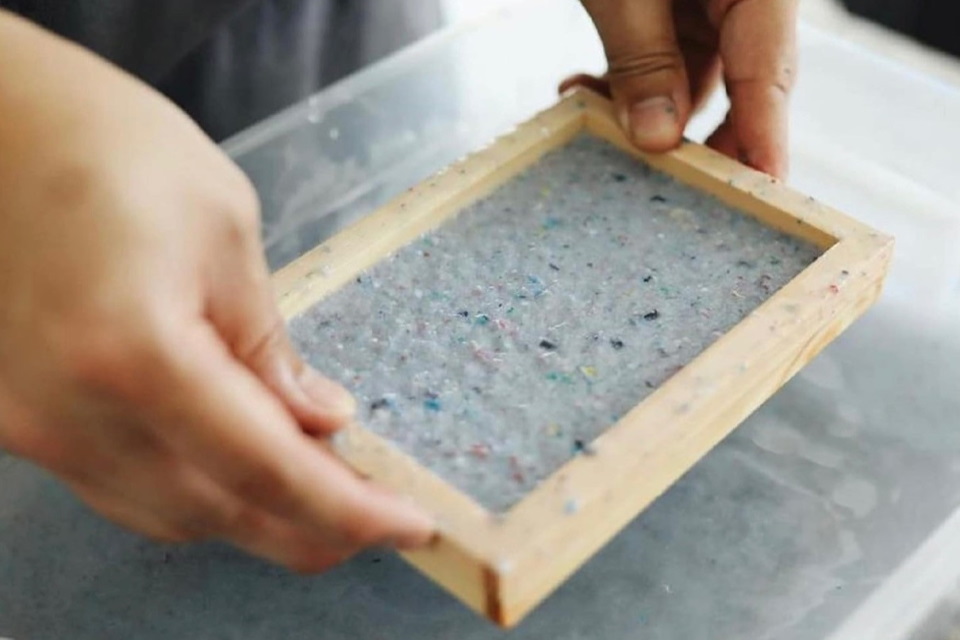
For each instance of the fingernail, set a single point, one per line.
(653, 123)
(414, 527)
(327, 395)
(421, 532)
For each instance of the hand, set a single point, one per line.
(142, 357)
(666, 57)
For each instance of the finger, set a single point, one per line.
(172, 502)
(595, 84)
(699, 44)
(243, 309)
(703, 68)
(705, 75)
(128, 515)
(220, 417)
(261, 535)
(293, 547)
(724, 139)
(646, 70)
(758, 50)
(176, 495)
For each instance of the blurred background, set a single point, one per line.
(279, 52)
(934, 24)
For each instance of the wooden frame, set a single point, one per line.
(503, 566)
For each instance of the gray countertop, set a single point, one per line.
(829, 511)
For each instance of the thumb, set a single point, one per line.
(242, 308)
(647, 74)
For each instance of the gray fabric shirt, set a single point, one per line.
(229, 63)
